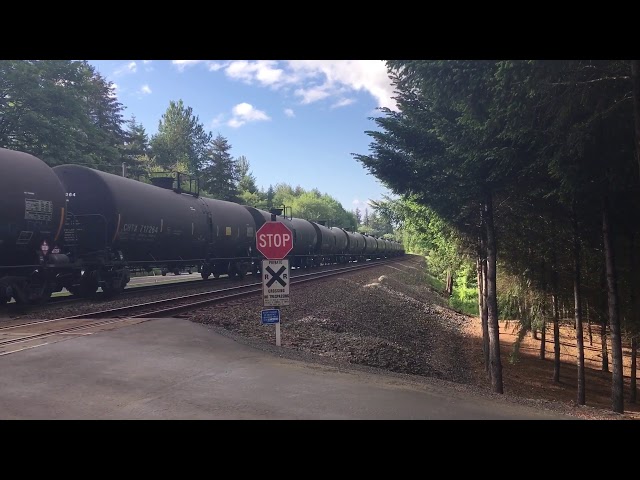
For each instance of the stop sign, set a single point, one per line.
(274, 240)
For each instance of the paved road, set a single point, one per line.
(176, 369)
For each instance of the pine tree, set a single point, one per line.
(181, 142)
(220, 172)
(136, 150)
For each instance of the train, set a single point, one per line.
(77, 228)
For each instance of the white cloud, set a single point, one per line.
(317, 80)
(217, 121)
(289, 113)
(359, 75)
(311, 95)
(147, 61)
(214, 67)
(145, 89)
(262, 71)
(130, 67)
(182, 64)
(361, 204)
(343, 103)
(311, 80)
(245, 112)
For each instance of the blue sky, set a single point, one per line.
(296, 121)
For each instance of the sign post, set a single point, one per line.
(272, 316)
(274, 240)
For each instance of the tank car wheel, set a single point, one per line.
(240, 270)
(205, 273)
(38, 296)
(86, 287)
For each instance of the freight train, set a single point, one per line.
(82, 229)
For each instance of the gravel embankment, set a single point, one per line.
(381, 318)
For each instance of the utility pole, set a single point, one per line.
(123, 167)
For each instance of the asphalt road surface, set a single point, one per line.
(176, 369)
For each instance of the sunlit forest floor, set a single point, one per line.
(526, 375)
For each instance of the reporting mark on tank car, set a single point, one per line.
(136, 228)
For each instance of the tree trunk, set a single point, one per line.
(543, 312)
(603, 325)
(485, 311)
(589, 323)
(634, 354)
(556, 320)
(479, 281)
(635, 304)
(492, 301)
(617, 383)
(482, 290)
(578, 312)
(635, 80)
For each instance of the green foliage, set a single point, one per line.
(247, 182)
(219, 173)
(377, 222)
(181, 143)
(546, 139)
(465, 286)
(434, 282)
(310, 205)
(136, 151)
(61, 111)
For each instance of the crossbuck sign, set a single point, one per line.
(275, 283)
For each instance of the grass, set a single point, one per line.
(434, 282)
(469, 307)
(463, 300)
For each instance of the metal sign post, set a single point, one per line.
(274, 240)
(271, 316)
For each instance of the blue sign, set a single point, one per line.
(270, 316)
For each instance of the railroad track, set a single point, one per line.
(21, 336)
(196, 282)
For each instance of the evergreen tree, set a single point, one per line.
(358, 215)
(220, 173)
(136, 150)
(270, 195)
(61, 111)
(247, 182)
(181, 142)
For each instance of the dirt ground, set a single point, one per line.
(531, 377)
